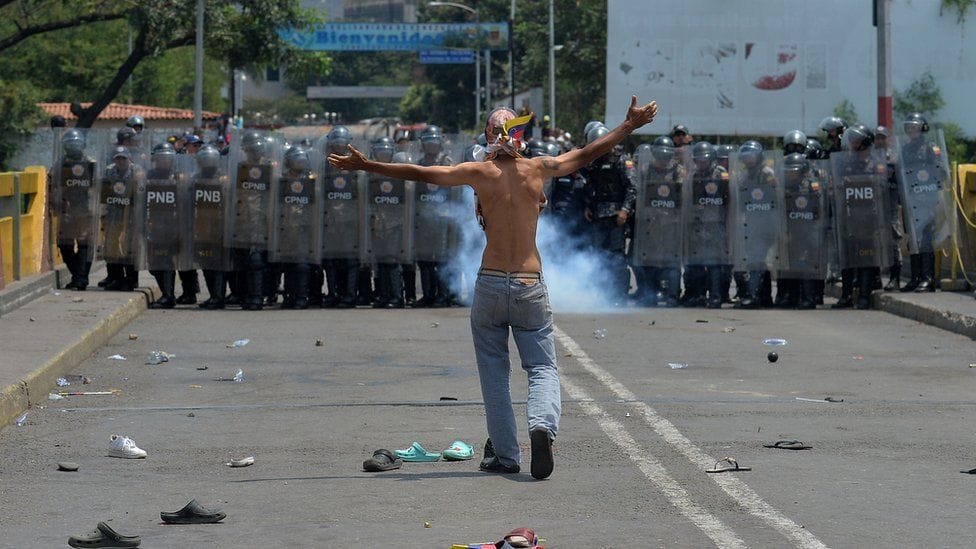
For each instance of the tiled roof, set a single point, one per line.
(121, 111)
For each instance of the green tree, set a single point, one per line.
(20, 116)
(961, 7)
(924, 96)
(846, 111)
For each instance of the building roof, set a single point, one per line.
(121, 111)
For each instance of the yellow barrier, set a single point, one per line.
(23, 196)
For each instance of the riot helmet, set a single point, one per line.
(536, 147)
(136, 122)
(402, 157)
(723, 153)
(814, 149)
(596, 132)
(589, 126)
(163, 155)
(750, 153)
(125, 136)
(338, 140)
(382, 149)
(662, 151)
(432, 140)
(859, 138)
(73, 143)
(481, 140)
(468, 154)
(915, 123)
(795, 163)
(208, 158)
(703, 154)
(833, 125)
(255, 148)
(296, 159)
(794, 142)
(882, 131)
(552, 149)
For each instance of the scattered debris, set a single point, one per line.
(239, 343)
(828, 399)
(775, 342)
(972, 365)
(239, 376)
(30, 319)
(202, 368)
(434, 324)
(449, 398)
(319, 343)
(728, 329)
(77, 299)
(772, 357)
(242, 462)
(677, 365)
(427, 524)
(858, 357)
(701, 321)
(158, 357)
(788, 445)
(133, 337)
(731, 465)
(90, 393)
(53, 292)
(196, 386)
(116, 357)
(600, 334)
(62, 382)
(55, 396)
(627, 414)
(76, 378)
(191, 414)
(69, 466)
(653, 322)
(21, 420)
(571, 354)
(832, 399)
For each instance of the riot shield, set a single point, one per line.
(389, 224)
(659, 224)
(256, 162)
(296, 222)
(74, 192)
(343, 213)
(706, 236)
(756, 202)
(926, 192)
(803, 252)
(119, 199)
(432, 222)
(211, 214)
(165, 223)
(863, 234)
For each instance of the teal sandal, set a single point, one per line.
(459, 451)
(417, 453)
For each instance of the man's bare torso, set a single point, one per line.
(510, 191)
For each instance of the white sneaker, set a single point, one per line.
(124, 447)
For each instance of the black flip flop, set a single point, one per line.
(382, 460)
(733, 465)
(104, 536)
(969, 472)
(193, 513)
(788, 445)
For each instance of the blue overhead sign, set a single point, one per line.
(399, 36)
(447, 57)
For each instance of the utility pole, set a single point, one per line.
(198, 81)
(511, 55)
(885, 92)
(552, 66)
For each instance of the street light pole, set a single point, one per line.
(198, 80)
(552, 67)
(511, 55)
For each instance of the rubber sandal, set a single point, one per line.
(733, 465)
(459, 451)
(193, 513)
(969, 472)
(382, 460)
(104, 536)
(242, 462)
(417, 453)
(541, 454)
(520, 537)
(788, 445)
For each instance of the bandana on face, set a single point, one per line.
(508, 138)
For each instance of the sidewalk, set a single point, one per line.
(43, 339)
(952, 311)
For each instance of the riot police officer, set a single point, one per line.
(893, 202)
(210, 245)
(788, 289)
(74, 199)
(295, 242)
(755, 187)
(610, 199)
(162, 223)
(118, 243)
(389, 226)
(255, 174)
(833, 129)
(706, 237)
(802, 238)
(432, 229)
(343, 199)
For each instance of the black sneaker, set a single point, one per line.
(491, 463)
(541, 453)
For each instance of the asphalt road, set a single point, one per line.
(635, 437)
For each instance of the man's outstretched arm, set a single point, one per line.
(446, 176)
(568, 163)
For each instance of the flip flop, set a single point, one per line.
(382, 460)
(788, 445)
(193, 513)
(104, 536)
(459, 451)
(969, 471)
(417, 453)
(733, 465)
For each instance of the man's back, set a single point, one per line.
(510, 198)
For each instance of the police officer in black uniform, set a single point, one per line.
(788, 289)
(707, 241)
(893, 198)
(919, 153)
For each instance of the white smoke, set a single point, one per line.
(577, 277)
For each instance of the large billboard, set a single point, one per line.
(764, 67)
(399, 36)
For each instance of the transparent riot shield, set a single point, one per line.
(211, 213)
(432, 222)
(926, 191)
(861, 226)
(165, 223)
(343, 213)
(296, 223)
(74, 191)
(255, 164)
(803, 252)
(389, 225)
(659, 221)
(119, 199)
(707, 205)
(757, 202)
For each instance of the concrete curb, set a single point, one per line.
(20, 293)
(940, 318)
(34, 388)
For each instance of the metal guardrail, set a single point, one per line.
(23, 197)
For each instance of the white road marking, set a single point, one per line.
(735, 488)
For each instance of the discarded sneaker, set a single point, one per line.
(193, 513)
(104, 536)
(382, 460)
(124, 447)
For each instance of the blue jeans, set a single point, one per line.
(501, 303)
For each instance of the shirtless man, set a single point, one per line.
(510, 292)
